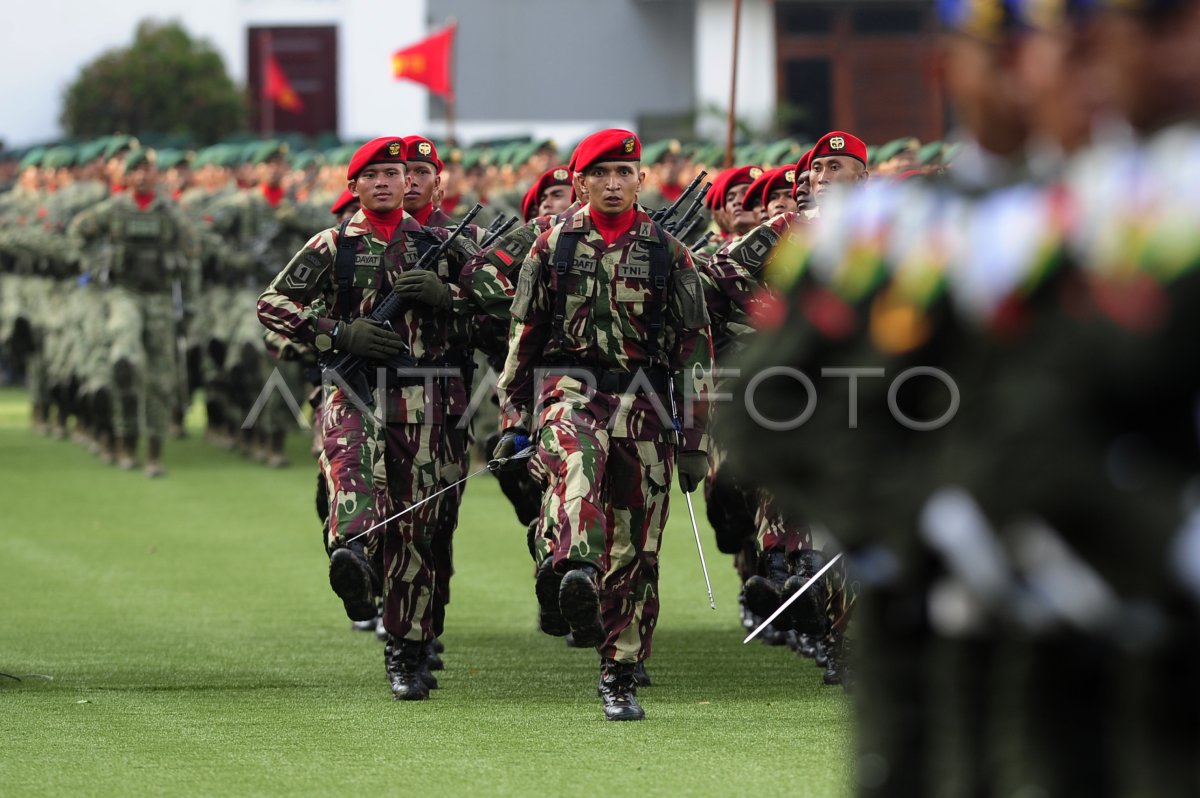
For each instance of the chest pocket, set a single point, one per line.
(366, 269)
(633, 283)
(143, 228)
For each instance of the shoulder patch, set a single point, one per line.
(525, 286)
(689, 293)
(754, 248)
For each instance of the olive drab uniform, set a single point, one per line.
(142, 251)
(629, 317)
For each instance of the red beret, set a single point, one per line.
(760, 190)
(344, 199)
(530, 202)
(838, 142)
(802, 166)
(727, 180)
(385, 149)
(422, 149)
(613, 144)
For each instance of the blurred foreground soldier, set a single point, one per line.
(147, 246)
(612, 307)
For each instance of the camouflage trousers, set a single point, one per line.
(373, 470)
(141, 331)
(774, 532)
(455, 456)
(605, 504)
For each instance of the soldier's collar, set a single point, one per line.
(643, 228)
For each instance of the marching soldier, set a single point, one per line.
(610, 301)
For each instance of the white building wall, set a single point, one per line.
(714, 60)
(44, 47)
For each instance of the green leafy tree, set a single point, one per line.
(164, 84)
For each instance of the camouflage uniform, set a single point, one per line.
(376, 462)
(607, 459)
(146, 251)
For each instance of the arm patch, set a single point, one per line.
(300, 281)
(525, 286)
(509, 253)
(754, 249)
(685, 284)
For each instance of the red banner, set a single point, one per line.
(428, 62)
(278, 89)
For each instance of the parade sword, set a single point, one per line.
(492, 465)
(687, 496)
(792, 598)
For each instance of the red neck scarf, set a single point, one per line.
(422, 216)
(610, 226)
(384, 223)
(143, 200)
(273, 194)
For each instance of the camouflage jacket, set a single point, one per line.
(120, 244)
(256, 237)
(606, 326)
(303, 301)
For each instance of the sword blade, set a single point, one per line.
(792, 598)
(703, 565)
(412, 507)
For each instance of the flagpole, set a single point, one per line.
(452, 101)
(729, 123)
(268, 103)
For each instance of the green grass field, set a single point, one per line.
(178, 637)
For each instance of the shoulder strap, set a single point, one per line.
(564, 256)
(660, 270)
(343, 271)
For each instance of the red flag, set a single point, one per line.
(277, 88)
(428, 62)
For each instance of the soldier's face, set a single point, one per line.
(612, 186)
(423, 180)
(141, 179)
(555, 200)
(380, 186)
(780, 200)
(273, 171)
(742, 220)
(804, 200)
(833, 170)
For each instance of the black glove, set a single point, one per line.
(423, 286)
(368, 339)
(512, 440)
(693, 468)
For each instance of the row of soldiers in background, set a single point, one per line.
(229, 214)
(984, 387)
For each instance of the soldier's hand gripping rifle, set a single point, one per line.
(686, 222)
(349, 369)
(662, 215)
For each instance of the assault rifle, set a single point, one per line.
(350, 369)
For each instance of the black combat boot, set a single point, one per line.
(579, 602)
(618, 691)
(546, 585)
(354, 581)
(402, 660)
(765, 593)
(807, 613)
(641, 677)
(833, 658)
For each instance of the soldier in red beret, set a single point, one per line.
(802, 188)
(837, 159)
(608, 314)
(397, 454)
(771, 194)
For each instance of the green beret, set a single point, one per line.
(930, 153)
(267, 150)
(60, 157)
(888, 151)
(33, 158)
(307, 158)
(91, 151)
(118, 144)
(136, 158)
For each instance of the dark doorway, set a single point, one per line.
(307, 58)
(807, 101)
